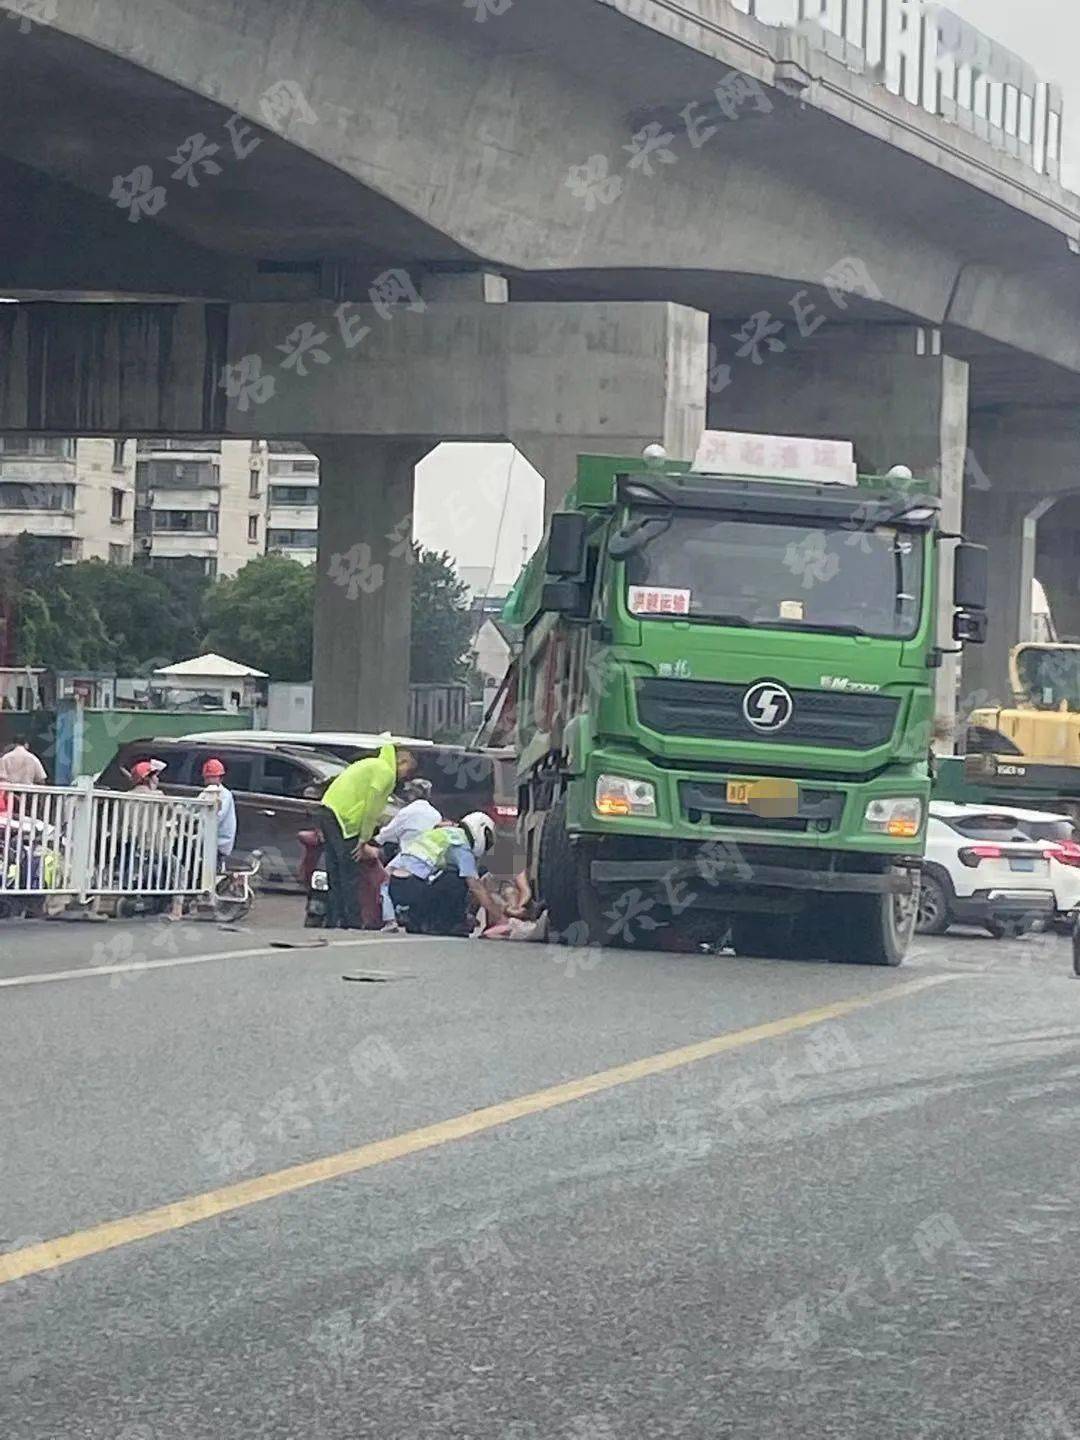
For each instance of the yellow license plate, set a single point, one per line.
(765, 797)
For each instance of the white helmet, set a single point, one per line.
(480, 829)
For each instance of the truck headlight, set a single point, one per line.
(618, 795)
(899, 818)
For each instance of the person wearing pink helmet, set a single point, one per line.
(213, 774)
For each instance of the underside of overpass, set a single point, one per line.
(273, 160)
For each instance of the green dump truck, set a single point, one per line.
(725, 695)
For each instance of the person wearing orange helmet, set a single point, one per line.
(213, 774)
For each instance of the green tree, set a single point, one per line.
(148, 621)
(51, 625)
(442, 626)
(262, 616)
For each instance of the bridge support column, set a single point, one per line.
(900, 403)
(1021, 502)
(363, 587)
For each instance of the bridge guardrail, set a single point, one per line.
(81, 842)
(931, 56)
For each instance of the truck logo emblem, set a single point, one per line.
(767, 706)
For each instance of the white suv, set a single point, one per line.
(997, 867)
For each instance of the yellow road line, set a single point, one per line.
(17, 1264)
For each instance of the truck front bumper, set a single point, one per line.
(744, 874)
(692, 805)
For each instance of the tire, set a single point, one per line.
(228, 912)
(557, 869)
(871, 929)
(765, 937)
(575, 909)
(934, 916)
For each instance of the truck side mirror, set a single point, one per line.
(971, 585)
(969, 627)
(566, 544)
(566, 597)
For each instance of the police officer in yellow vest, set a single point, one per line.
(352, 810)
(433, 876)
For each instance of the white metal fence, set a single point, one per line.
(85, 842)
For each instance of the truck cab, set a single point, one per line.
(726, 698)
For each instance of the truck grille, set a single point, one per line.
(712, 710)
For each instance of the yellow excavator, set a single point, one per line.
(1027, 753)
(1043, 724)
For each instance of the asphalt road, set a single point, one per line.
(829, 1219)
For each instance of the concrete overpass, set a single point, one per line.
(531, 181)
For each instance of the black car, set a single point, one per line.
(277, 789)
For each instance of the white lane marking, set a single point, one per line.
(89, 971)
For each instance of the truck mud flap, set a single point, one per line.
(749, 876)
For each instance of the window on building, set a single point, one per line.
(117, 504)
(151, 447)
(184, 565)
(294, 495)
(295, 465)
(186, 522)
(253, 529)
(118, 454)
(255, 477)
(119, 554)
(21, 495)
(41, 446)
(292, 539)
(177, 475)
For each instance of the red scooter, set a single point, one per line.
(313, 878)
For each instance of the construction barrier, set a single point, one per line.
(81, 842)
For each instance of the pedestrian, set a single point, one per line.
(435, 875)
(20, 766)
(213, 774)
(352, 807)
(415, 816)
(144, 776)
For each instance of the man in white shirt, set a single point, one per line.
(414, 817)
(20, 766)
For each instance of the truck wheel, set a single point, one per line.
(575, 909)
(557, 869)
(873, 929)
(764, 937)
(934, 910)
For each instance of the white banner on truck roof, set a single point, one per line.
(777, 457)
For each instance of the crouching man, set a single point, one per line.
(435, 875)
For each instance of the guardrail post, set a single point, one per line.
(82, 839)
(210, 846)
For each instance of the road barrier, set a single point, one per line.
(81, 842)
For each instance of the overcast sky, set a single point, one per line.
(1045, 33)
(462, 489)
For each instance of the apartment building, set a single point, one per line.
(208, 505)
(292, 500)
(199, 504)
(75, 496)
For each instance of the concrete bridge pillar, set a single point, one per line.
(890, 391)
(1023, 466)
(363, 587)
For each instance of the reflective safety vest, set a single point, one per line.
(431, 846)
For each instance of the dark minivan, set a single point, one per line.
(277, 789)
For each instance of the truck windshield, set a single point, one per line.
(794, 575)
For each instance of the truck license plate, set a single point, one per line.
(765, 797)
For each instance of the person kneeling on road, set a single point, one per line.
(415, 816)
(434, 876)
